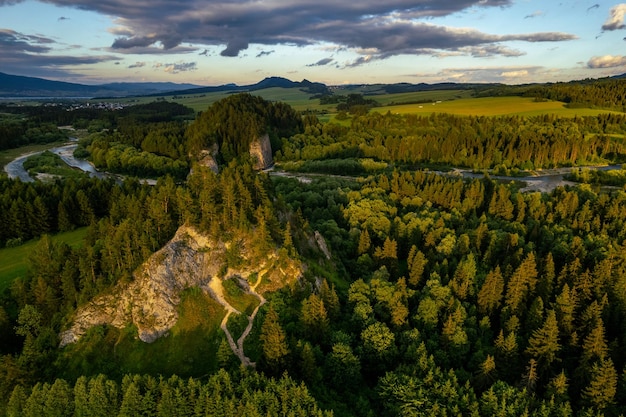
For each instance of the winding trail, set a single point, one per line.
(217, 291)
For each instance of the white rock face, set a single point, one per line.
(150, 301)
(261, 152)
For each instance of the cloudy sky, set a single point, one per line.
(213, 42)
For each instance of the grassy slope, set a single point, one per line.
(189, 349)
(14, 261)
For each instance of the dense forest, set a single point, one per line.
(473, 142)
(441, 295)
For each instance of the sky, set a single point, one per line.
(215, 42)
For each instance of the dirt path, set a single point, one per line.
(217, 291)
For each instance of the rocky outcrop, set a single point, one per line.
(261, 152)
(208, 158)
(190, 259)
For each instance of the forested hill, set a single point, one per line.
(236, 121)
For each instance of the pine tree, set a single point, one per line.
(462, 283)
(522, 283)
(417, 263)
(274, 340)
(364, 242)
(17, 401)
(330, 299)
(600, 392)
(594, 345)
(131, 402)
(59, 401)
(544, 342)
(490, 294)
(315, 317)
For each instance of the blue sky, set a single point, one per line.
(213, 42)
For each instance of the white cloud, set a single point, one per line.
(514, 74)
(616, 18)
(606, 61)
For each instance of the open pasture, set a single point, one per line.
(14, 261)
(492, 106)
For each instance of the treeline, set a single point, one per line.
(603, 93)
(613, 178)
(248, 394)
(14, 133)
(29, 210)
(475, 142)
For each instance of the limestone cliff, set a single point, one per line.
(261, 152)
(208, 158)
(190, 259)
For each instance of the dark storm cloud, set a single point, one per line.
(391, 27)
(264, 53)
(28, 54)
(12, 41)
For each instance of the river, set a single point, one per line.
(543, 181)
(15, 168)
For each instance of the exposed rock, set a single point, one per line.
(208, 158)
(321, 244)
(261, 152)
(150, 301)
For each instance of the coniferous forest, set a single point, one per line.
(440, 295)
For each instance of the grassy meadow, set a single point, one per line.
(492, 106)
(14, 261)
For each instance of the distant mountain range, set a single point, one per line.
(14, 86)
(19, 86)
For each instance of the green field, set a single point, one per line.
(458, 102)
(14, 261)
(493, 106)
(295, 97)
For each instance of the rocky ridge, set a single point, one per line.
(190, 259)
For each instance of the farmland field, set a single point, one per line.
(422, 102)
(493, 106)
(14, 261)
